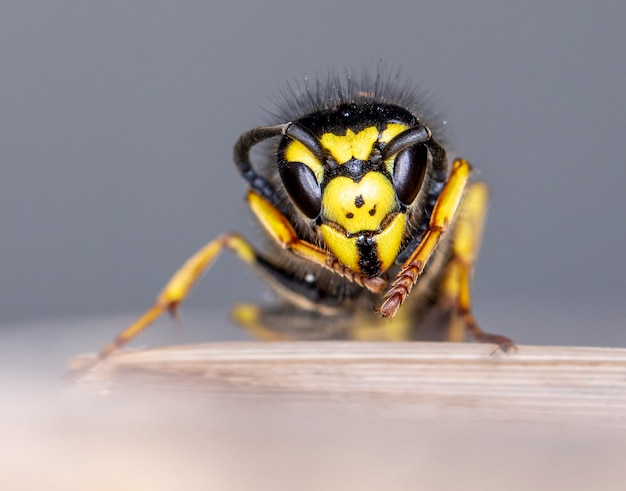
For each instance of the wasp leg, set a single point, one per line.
(284, 322)
(180, 283)
(443, 214)
(456, 283)
(275, 223)
(251, 318)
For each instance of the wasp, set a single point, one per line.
(372, 230)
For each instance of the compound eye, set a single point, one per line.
(409, 171)
(302, 187)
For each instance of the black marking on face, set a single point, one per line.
(372, 212)
(349, 215)
(358, 201)
(369, 264)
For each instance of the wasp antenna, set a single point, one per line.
(241, 152)
(300, 134)
(406, 139)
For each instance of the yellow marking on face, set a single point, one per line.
(392, 130)
(358, 206)
(344, 147)
(388, 242)
(342, 247)
(351, 145)
(297, 152)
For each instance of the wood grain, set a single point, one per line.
(546, 384)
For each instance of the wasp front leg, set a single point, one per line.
(442, 216)
(283, 233)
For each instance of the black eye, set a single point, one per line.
(302, 187)
(408, 172)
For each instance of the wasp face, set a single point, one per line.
(362, 222)
(350, 175)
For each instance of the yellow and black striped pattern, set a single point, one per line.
(361, 221)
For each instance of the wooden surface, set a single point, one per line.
(317, 416)
(310, 416)
(426, 380)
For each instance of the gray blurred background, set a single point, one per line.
(117, 121)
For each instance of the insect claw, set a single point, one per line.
(174, 311)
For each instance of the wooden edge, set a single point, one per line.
(470, 380)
